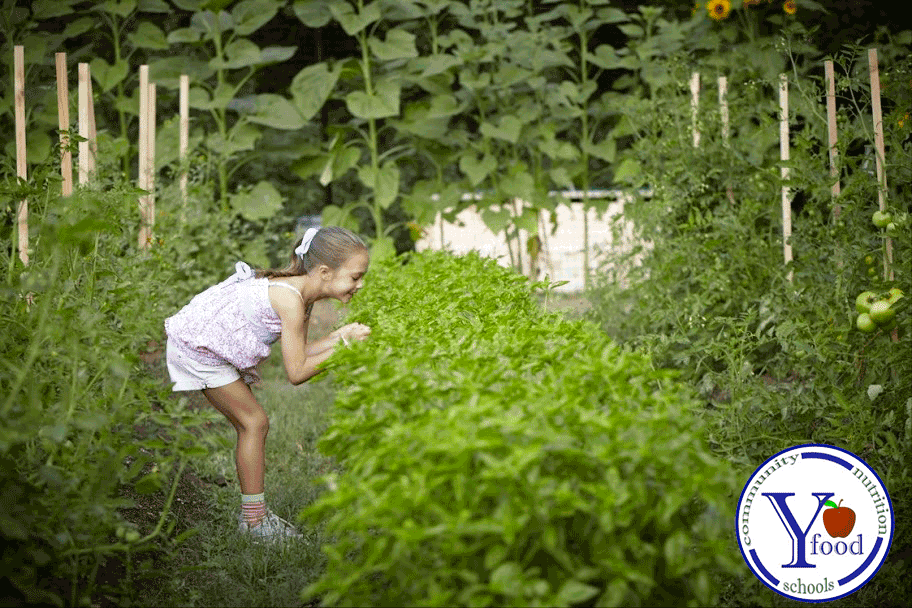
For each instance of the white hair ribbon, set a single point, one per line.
(309, 235)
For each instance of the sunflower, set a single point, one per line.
(718, 9)
(790, 7)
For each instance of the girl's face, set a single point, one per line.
(349, 278)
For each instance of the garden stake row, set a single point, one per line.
(86, 129)
(87, 144)
(88, 147)
(147, 124)
(21, 172)
(784, 153)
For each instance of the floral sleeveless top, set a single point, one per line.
(231, 322)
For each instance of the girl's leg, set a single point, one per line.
(237, 403)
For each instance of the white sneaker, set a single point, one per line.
(271, 528)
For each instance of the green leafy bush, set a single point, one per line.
(778, 363)
(82, 418)
(494, 454)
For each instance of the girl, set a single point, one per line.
(216, 341)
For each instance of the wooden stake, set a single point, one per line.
(150, 162)
(880, 154)
(93, 135)
(723, 111)
(84, 123)
(21, 165)
(832, 133)
(184, 136)
(63, 120)
(142, 148)
(694, 106)
(832, 136)
(723, 107)
(784, 156)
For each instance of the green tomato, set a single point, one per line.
(881, 219)
(895, 294)
(881, 312)
(131, 536)
(869, 260)
(864, 300)
(872, 271)
(864, 323)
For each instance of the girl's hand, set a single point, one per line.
(353, 331)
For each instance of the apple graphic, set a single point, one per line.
(838, 520)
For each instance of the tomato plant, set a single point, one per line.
(778, 362)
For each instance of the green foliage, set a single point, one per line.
(221, 39)
(779, 363)
(371, 91)
(82, 419)
(494, 454)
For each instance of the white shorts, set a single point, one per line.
(190, 375)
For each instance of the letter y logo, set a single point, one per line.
(798, 535)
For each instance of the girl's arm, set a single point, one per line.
(345, 334)
(324, 344)
(302, 360)
(300, 371)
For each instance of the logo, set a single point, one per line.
(814, 523)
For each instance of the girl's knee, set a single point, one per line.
(255, 422)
